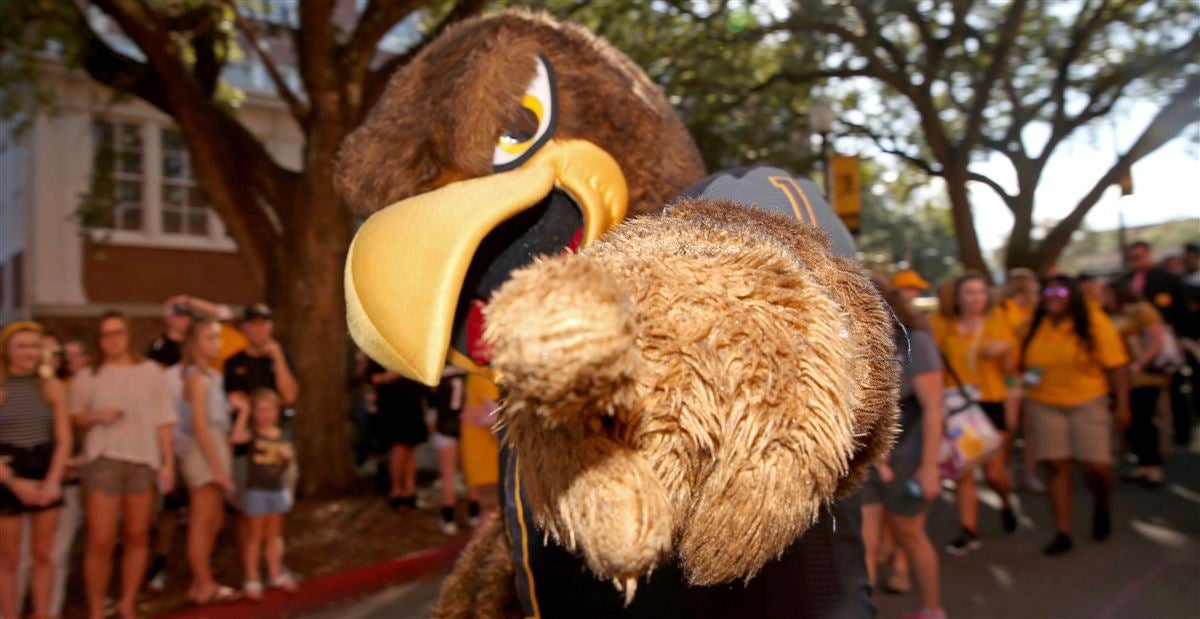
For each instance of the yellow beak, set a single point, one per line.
(406, 266)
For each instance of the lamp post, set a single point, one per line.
(820, 122)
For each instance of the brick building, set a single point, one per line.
(155, 239)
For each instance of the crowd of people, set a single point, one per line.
(101, 437)
(125, 447)
(1072, 365)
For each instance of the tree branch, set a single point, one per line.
(876, 67)
(987, 180)
(870, 21)
(377, 79)
(376, 21)
(983, 89)
(316, 58)
(1106, 91)
(1180, 112)
(297, 108)
(109, 67)
(894, 149)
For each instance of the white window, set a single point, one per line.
(119, 178)
(144, 189)
(183, 208)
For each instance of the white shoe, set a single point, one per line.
(1035, 484)
(449, 528)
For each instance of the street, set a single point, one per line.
(1149, 568)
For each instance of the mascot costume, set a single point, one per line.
(695, 371)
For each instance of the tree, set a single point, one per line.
(722, 65)
(290, 226)
(904, 225)
(960, 79)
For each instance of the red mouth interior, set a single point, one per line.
(477, 349)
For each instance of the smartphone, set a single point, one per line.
(912, 488)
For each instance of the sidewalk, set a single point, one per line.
(332, 589)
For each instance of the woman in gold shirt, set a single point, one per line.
(980, 351)
(1073, 358)
(1020, 299)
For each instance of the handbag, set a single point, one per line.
(1170, 357)
(968, 436)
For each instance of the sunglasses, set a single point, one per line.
(1056, 292)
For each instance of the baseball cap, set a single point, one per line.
(909, 278)
(258, 310)
(778, 191)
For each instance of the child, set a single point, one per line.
(257, 434)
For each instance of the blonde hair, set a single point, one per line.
(263, 393)
(188, 358)
(9, 331)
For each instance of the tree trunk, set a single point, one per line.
(312, 317)
(964, 221)
(1020, 250)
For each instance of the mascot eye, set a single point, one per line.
(522, 128)
(530, 125)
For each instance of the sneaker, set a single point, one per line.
(156, 577)
(157, 582)
(1061, 544)
(1034, 484)
(253, 590)
(926, 613)
(964, 543)
(449, 528)
(285, 581)
(1008, 520)
(473, 512)
(1101, 525)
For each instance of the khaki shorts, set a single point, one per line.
(194, 465)
(117, 477)
(1082, 432)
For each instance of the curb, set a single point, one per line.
(329, 589)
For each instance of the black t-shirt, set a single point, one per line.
(449, 408)
(165, 351)
(246, 373)
(398, 396)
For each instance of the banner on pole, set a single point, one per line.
(846, 190)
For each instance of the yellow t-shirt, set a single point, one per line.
(1131, 324)
(1071, 375)
(937, 324)
(964, 353)
(1016, 316)
(232, 342)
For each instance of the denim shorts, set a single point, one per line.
(264, 502)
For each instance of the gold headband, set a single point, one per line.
(15, 327)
